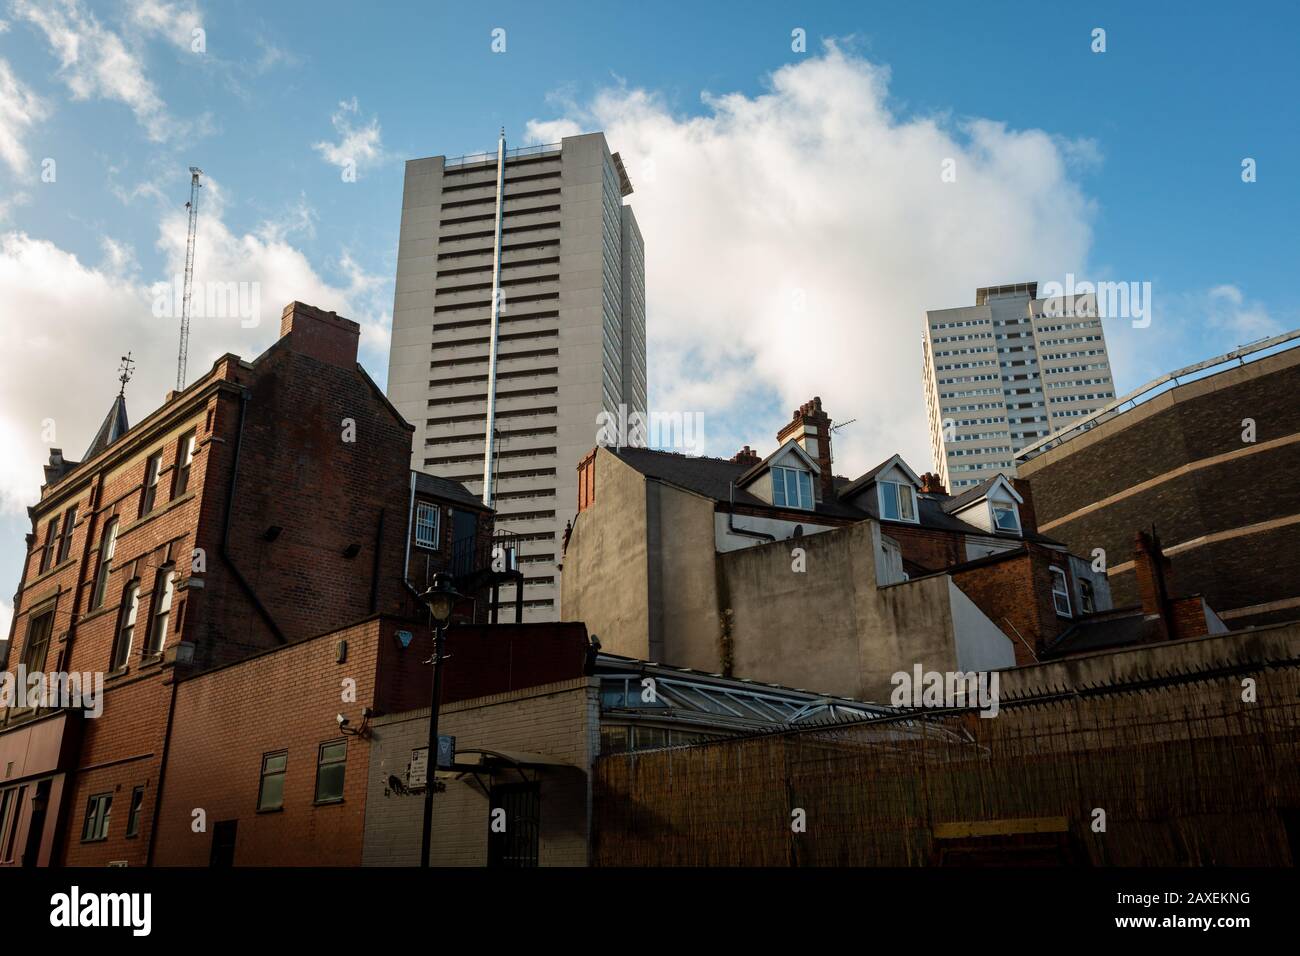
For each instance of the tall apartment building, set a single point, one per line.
(1007, 371)
(548, 228)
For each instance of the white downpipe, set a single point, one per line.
(489, 438)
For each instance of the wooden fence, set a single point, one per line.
(1185, 774)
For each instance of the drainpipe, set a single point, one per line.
(731, 524)
(406, 551)
(225, 531)
(374, 568)
(489, 434)
(162, 774)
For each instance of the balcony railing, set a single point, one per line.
(470, 159)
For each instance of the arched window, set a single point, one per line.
(126, 625)
(107, 545)
(162, 611)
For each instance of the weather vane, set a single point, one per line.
(124, 372)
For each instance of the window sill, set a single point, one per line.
(51, 572)
(327, 803)
(279, 809)
(157, 511)
(97, 612)
(153, 660)
(119, 672)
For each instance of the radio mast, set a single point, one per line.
(193, 207)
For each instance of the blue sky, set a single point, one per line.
(1124, 164)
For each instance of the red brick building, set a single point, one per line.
(269, 502)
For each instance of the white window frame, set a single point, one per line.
(1062, 593)
(911, 495)
(184, 464)
(126, 625)
(160, 618)
(1010, 506)
(802, 486)
(107, 547)
(422, 508)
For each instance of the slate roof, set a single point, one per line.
(957, 502)
(711, 478)
(1117, 628)
(438, 487)
(114, 427)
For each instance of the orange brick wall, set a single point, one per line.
(286, 699)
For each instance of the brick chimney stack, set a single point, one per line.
(746, 456)
(811, 428)
(1028, 515)
(932, 484)
(324, 336)
(1155, 582)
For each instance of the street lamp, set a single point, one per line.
(441, 600)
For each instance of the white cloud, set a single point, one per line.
(4, 26)
(173, 22)
(359, 145)
(96, 62)
(1186, 328)
(19, 109)
(70, 349)
(817, 192)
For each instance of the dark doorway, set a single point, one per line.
(516, 846)
(223, 844)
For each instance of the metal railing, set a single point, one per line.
(471, 159)
(1156, 386)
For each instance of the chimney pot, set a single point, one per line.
(931, 484)
(811, 428)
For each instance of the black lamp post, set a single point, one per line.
(440, 599)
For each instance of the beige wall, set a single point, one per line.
(560, 721)
(642, 572)
(605, 572)
(686, 632)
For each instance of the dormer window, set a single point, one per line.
(1005, 517)
(792, 488)
(897, 501)
(1060, 592)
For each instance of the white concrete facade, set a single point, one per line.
(1005, 372)
(571, 341)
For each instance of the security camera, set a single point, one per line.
(343, 721)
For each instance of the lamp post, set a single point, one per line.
(440, 599)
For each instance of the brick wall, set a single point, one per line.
(286, 699)
(926, 548)
(560, 721)
(1015, 593)
(326, 483)
(1192, 424)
